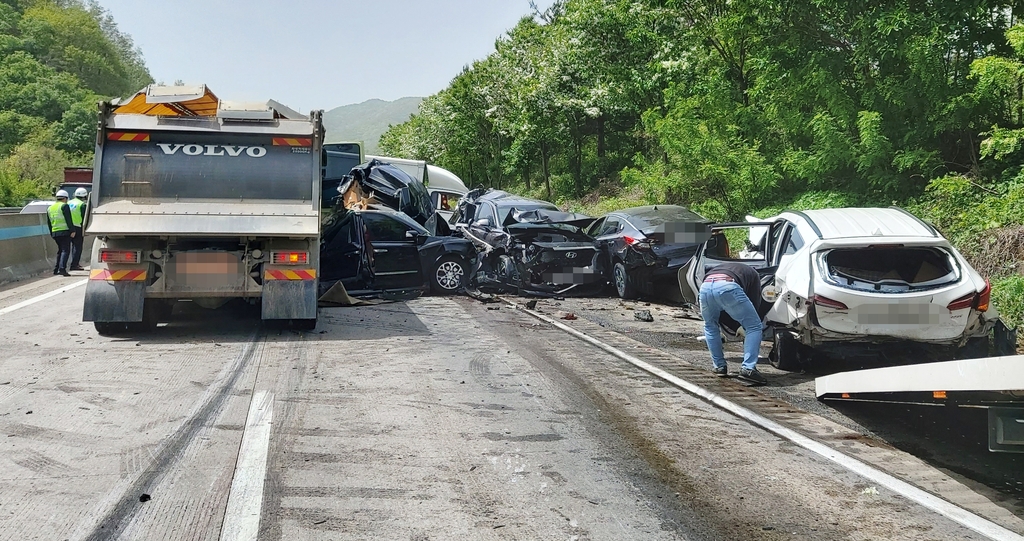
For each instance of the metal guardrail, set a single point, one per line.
(10, 210)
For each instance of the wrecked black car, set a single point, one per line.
(643, 248)
(527, 246)
(377, 250)
(380, 183)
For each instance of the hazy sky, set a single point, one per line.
(315, 54)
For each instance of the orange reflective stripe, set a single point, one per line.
(291, 275)
(292, 142)
(124, 136)
(118, 275)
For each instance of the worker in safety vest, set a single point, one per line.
(58, 219)
(77, 206)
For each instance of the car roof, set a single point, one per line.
(504, 198)
(866, 222)
(660, 211)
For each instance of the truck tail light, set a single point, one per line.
(963, 303)
(120, 256)
(822, 300)
(289, 258)
(984, 298)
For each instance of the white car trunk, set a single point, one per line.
(900, 291)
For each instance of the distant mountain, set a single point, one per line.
(367, 121)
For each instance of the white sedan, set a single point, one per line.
(851, 275)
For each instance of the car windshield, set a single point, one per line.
(503, 210)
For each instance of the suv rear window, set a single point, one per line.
(890, 269)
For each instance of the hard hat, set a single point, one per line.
(62, 194)
(81, 192)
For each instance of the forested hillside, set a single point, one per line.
(735, 107)
(57, 59)
(367, 121)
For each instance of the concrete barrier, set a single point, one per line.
(26, 249)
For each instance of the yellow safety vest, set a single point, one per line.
(56, 214)
(76, 212)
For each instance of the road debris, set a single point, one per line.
(569, 316)
(643, 315)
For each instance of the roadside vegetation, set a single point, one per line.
(58, 58)
(735, 108)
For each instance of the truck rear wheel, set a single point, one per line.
(110, 328)
(293, 324)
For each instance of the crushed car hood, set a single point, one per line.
(545, 216)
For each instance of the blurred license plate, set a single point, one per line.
(898, 314)
(572, 275)
(206, 269)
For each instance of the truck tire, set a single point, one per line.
(110, 328)
(786, 352)
(448, 275)
(302, 324)
(623, 286)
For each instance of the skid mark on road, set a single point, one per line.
(117, 510)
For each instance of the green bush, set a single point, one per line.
(14, 191)
(813, 200)
(1008, 298)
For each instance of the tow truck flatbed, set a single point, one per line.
(994, 383)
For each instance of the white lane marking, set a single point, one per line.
(245, 501)
(962, 516)
(42, 297)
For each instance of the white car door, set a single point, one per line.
(731, 243)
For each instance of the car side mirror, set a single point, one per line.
(480, 223)
(411, 234)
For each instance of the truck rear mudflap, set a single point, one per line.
(115, 296)
(289, 299)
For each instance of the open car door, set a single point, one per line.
(733, 243)
(343, 253)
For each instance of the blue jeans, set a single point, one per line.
(724, 296)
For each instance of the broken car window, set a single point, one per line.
(381, 227)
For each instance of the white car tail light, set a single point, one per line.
(822, 300)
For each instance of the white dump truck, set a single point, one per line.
(204, 200)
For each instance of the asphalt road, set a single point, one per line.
(430, 419)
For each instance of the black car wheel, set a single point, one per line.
(786, 352)
(623, 286)
(448, 275)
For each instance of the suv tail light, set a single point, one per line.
(963, 303)
(289, 258)
(120, 256)
(984, 298)
(821, 300)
